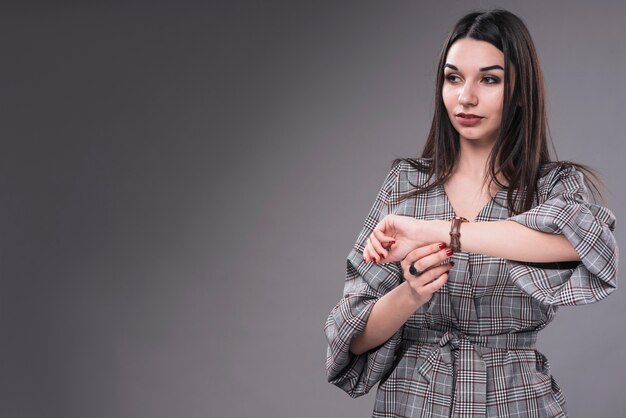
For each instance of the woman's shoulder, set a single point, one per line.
(409, 172)
(416, 164)
(413, 167)
(554, 174)
(555, 170)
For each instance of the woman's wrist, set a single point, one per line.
(412, 298)
(435, 231)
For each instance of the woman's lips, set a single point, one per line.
(468, 121)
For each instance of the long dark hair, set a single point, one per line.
(521, 147)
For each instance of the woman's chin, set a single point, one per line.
(475, 135)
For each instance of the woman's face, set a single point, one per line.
(473, 89)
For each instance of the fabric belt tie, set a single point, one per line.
(456, 370)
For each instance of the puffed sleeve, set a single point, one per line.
(365, 283)
(588, 227)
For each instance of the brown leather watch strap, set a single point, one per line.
(455, 233)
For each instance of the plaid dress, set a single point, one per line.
(470, 351)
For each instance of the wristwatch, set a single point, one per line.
(455, 233)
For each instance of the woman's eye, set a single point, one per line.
(451, 78)
(492, 80)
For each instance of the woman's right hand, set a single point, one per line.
(427, 260)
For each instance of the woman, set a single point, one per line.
(443, 312)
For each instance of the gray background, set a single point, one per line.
(181, 183)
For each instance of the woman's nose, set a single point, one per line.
(467, 95)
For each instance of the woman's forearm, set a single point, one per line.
(389, 313)
(505, 239)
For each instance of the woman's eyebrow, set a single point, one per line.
(491, 67)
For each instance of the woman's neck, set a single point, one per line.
(473, 160)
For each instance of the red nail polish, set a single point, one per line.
(442, 245)
(449, 253)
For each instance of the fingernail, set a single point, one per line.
(442, 245)
(449, 253)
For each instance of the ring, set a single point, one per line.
(413, 270)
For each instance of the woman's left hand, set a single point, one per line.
(392, 239)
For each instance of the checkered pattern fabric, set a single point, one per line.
(470, 351)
